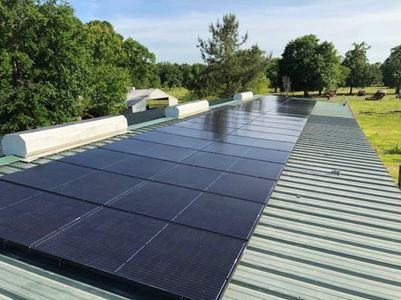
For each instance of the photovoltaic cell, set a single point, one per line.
(12, 193)
(214, 127)
(280, 157)
(188, 176)
(190, 132)
(140, 166)
(31, 220)
(266, 135)
(98, 187)
(96, 158)
(228, 149)
(249, 152)
(157, 200)
(275, 130)
(256, 142)
(245, 187)
(149, 149)
(257, 168)
(104, 240)
(222, 215)
(48, 176)
(173, 140)
(211, 160)
(186, 262)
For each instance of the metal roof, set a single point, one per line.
(324, 235)
(135, 96)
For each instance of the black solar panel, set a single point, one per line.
(256, 142)
(171, 209)
(12, 193)
(188, 176)
(186, 262)
(173, 140)
(222, 215)
(245, 187)
(266, 135)
(257, 168)
(140, 166)
(30, 220)
(160, 151)
(214, 127)
(190, 132)
(290, 132)
(211, 160)
(99, 187)
(96, 158)
(157, 200)
(104, 240)
(48, 176)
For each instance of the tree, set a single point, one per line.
(374, 76)
(109, 78)
(43, 64)
(140, 63)
(391, 69)
(357, 63)
(272, 73)
(229, 69)
(310, 65)
(170, 75)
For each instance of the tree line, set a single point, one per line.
(55, 68)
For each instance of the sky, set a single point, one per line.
(170, 28)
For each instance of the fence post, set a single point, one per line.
(399, 177)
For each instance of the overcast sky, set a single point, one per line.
(170, 28)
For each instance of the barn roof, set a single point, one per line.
(135, 96)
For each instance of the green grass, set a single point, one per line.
(379, 120)
(184, 95)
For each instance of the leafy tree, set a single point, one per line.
(260, 85)
(357, 62)
(140, 63)
(43, 64)
(229, 69)
(310, 65)
(109, 78)
(273, 73)
(192, 76)
(170, 75)
(391, 69)
(374, 76)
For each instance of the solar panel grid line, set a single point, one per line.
(133, 255)
(62, 228)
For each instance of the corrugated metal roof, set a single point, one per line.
(323, 235)
(135, 96)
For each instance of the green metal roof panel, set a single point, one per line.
(323, 235)
(332, 110)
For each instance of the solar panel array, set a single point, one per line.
(171, 209)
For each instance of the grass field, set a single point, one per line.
(183, 95)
